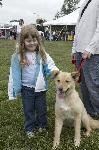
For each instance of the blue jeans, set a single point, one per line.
(35, 109)
(90, 84)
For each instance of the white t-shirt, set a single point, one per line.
(19, 29)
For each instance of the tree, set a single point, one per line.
(67, 7)
(57, 15)
(1, 3)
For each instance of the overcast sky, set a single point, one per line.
(29, 10)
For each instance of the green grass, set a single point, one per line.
(12, 136)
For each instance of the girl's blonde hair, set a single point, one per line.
(26, 32)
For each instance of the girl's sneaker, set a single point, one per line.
(30, 134)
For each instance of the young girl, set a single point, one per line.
(29, 69)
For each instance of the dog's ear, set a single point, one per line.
(55, 73)
(75, 75)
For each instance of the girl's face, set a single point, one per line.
(31, 44)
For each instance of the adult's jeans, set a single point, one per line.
(90, 84)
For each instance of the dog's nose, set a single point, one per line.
(61, 89)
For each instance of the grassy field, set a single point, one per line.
(12, 136)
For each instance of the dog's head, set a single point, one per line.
(65, 82)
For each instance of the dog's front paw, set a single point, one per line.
(77, 142)
(55, 145)
(53, 148)
(87, 133)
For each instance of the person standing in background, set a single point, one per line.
(19, 27)
(86, 46)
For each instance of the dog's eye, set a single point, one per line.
(58, 80)
(67, 81)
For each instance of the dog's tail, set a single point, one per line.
(94, 123)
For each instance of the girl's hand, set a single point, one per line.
(86, 55)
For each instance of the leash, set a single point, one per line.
(80, 67)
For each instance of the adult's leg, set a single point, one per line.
(91, 74)
(85, 85)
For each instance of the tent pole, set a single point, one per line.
(66, 27)
(50, 33)
(65, 34)
(5, 34)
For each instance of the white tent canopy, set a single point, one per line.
(70, 19)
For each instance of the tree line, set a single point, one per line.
(1, 2)
(67, 7)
